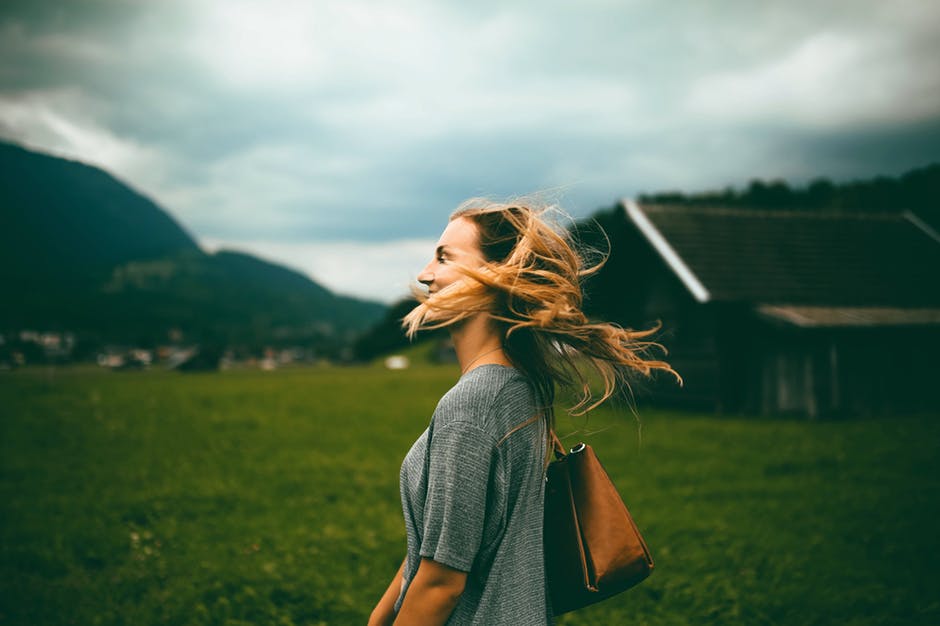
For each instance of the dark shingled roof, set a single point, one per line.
(796, 257)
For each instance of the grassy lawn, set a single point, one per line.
(248, 497)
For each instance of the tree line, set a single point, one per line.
(918, 190)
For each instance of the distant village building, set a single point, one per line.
(788, 312)
(397, 362)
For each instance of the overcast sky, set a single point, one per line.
(336, 136)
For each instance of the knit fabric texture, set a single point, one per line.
(473, 499)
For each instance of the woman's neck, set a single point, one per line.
(478, 343)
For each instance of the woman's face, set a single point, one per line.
(459, 244)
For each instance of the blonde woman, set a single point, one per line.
(506, 283)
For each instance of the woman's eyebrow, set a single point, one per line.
(441, 250)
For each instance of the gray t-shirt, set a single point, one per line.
(474, 501)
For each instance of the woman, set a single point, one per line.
(506, 284)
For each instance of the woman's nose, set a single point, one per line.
(426, 277)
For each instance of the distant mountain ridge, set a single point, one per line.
(82, 251)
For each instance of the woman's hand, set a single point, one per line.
(432, 595)
(383, 618)
(384, 612)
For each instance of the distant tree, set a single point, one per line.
(920, 193)
(775, 194)
(819, 193)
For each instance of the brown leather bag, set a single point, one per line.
(593, 549)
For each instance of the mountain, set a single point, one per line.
(82, 251)
(64, 220)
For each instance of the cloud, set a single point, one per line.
(270, 189)
(62, 121)
(831, 79)
(364, 123)
(253, 45)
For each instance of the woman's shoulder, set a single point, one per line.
(483, 395)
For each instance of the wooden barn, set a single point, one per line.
(787, 312)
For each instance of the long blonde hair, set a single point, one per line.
(530, 284)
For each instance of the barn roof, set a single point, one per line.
(795, 257)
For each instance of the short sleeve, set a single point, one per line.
(461, 456)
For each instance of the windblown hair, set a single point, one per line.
(530, 284)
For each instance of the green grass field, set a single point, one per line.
(248, 497)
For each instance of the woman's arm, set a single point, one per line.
(432, 595)
(384, 612)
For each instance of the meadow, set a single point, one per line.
(249, 497)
